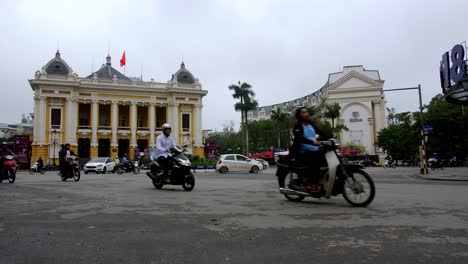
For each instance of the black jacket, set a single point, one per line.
(300, 139)
(63, 153)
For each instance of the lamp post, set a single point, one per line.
(422, 153)
(54, 141)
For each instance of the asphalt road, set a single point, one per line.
(233, 218)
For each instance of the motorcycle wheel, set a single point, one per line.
(119, 171)
(76, 175)
(11, 176)
(42, 171)
(353, 188)
(64, 178)
(136, 170)
(292, 198)
(158, 183)
(189, 182)
(31, 172)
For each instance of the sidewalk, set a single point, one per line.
(448, 174)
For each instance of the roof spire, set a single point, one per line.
(108, 60)
(182, 65)
(57, 55)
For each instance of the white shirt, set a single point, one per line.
(163, 143)
(68, 154)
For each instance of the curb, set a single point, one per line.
(419, 177)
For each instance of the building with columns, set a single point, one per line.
(359, 93)
(107, 114)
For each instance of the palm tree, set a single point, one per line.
(278, 116)
(244, 92)
(333, 112)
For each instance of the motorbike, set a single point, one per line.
(389, 164)
(131, 167)
(435, 164)
(72, 169)
(34, 169)
(9, 169)
(338, 177)
(180, 174)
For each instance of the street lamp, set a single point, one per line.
(54, 141)
(422, 153)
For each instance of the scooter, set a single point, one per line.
(435, 164)
(72, 170)
(339, 177)
(9, 169)
(131, 167)
(389, 164)
(34, 169)
(180, 174)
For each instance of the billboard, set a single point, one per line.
(22, 149)
(210, 149)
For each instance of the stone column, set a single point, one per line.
(372, 135)
(152, 124)
(114, 123)
(43, 126)
(198, 126)
(174, 121)
(71, 122)
(37, 120)
(94, 123)
(133, 124)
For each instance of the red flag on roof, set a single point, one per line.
(122, 60)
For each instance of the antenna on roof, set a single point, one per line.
(108, 46)
(141, 72)
(58, 45)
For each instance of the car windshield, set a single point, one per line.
(98, 160)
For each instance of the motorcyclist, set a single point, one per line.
(125, 162)
(4, 151)
(306, 147)
(40, 163)
(65, 154)
(164, 144)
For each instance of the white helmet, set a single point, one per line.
(165, 126)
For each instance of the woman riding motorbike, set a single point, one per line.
(306, 148)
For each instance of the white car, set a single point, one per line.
(264, 163)
(237, 163)
(99, 165)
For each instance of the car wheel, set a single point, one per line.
(254, 169)
(104, 170)
(85, 172)
(265, 167)
(223, 170)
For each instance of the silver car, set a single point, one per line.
(237, 163)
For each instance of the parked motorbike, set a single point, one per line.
(72, 169)
(340, 177)
(435, 164)
(9, 169)
(180, 174)
(131, 167)
(389, 164)
(35, 169)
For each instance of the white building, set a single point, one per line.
(359, 92)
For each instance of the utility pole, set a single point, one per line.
(422, 153)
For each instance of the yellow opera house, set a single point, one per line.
(108, 114)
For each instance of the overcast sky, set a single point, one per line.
(284, 49)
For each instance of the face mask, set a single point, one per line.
(167, 132)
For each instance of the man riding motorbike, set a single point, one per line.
(64, 154)
(125, 162)
(4, 151)
(164, 144)
(306, 148)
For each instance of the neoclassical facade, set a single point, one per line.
(359, 92)
(109, 114)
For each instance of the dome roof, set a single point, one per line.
(57, 66)
(108, 72)
(183, 75)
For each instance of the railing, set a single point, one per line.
(104, 127)
(143, 128)
(84, 127)
(124, 128)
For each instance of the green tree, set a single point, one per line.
(332, 111)
(279, 117)
(245, 94)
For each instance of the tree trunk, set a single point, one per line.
(243, 126)
(246, 135)
(279, 138)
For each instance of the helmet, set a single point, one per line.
(166, 126)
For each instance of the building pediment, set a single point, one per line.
(354, 80)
